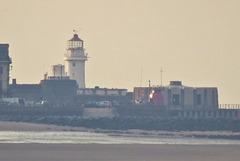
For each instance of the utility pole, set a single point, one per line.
(161, 76)
(141, 79)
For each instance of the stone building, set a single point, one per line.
(30, 92)
(55, 90)
(59, 90)
(5, 62)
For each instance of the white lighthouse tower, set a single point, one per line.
(75, 60)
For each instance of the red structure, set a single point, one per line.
(156, 97)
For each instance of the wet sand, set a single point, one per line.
(110, 152)
(97, 152)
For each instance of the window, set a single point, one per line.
(74, 64)
(199, 99)
(175, 99)
(1, 87)
(75, 44)
(1, 70)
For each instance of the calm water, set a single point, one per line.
(96, 138)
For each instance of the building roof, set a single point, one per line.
(75, 38)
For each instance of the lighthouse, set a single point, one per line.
(75, 60)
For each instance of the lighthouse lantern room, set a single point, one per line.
(75, 42)
(75, 60)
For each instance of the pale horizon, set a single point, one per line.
(196, 42)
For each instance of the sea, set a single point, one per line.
(74, 137)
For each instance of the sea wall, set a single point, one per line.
(131, 117)
(127, 111)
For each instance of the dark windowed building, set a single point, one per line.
(5, 62)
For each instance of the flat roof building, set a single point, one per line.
(176, 95)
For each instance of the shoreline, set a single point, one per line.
(34, 127)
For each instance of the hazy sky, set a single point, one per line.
(195, 41)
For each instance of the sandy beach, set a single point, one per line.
(111, 152)
(24, 126)
(96, 152)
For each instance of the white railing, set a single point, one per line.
(229, 106)
(75, 55)
(58, 77)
